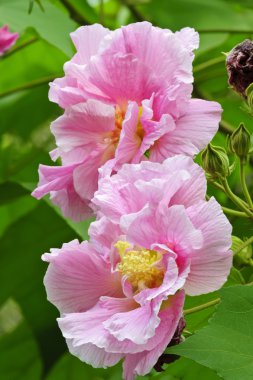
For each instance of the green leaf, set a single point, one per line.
(71, 368)
(19, 354)
(52, 24)
(10, 191)
(198, 14)
(22, 272)
(187, 370)
(226, 344)
(12, 211)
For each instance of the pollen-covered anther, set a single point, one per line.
(141, 266)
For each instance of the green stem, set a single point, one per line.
(216, 184)
(137, 15)
(101, 12)
(230, 211)
(210, 62)
(19, 47)
(226, 127)
(27, 86)
(74, 13)
(245, 244)
(235, 199)
(244, 185)
(234, 31)
(201, 307)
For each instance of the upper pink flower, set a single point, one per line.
(121, 295)
(127, 95)
(7, 39)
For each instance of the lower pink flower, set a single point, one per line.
(121, 295)
(7, 39)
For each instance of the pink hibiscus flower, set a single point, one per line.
(7, 39)
(127, 95)
(121, 294)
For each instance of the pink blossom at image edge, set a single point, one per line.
(7, 39)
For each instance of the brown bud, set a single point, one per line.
(239, 65)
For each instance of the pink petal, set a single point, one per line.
(85, 176)
(174, 280)
(189, 38)
(155, 47)
(77, 276)
(84, 125)
(88, 327)
(165, 226)
(137, 325)
(93, 355)
(211, 264)
(129, 142)
(87, 40)
(66, 92)
(58, 181)
(194, 130)
(121, 77)
(142, 363)
(136, 185)
(7, 39)
(104, 232)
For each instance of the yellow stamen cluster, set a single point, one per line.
(141, 267)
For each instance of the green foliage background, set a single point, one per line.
(31, 346)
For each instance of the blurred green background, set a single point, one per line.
(31, 346)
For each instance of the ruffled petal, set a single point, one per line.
(211, 264)
(194, 130)
(87, 40)
(84, 125)
(142, 363)
(78, 276)
(58, 181)
(137, 325)
(93, 355)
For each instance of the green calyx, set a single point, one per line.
(215, 161)
(239, 142)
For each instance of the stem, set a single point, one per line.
(137, 15)
(27, 86)
(244, 185)
(230, 211)
(210, 62)
(101, 12)
(217, 185)
(245, 244)
(202, 307)
(235, 199)
(19, 47)
(74, 14)
(234, 31)
(226, 127)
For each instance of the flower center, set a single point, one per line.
(119, 118)
(140, 266)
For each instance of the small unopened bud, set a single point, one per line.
(215, 161)
(239, 141)
(239, 65)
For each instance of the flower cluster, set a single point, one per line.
(7, 39)
(126, 141)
